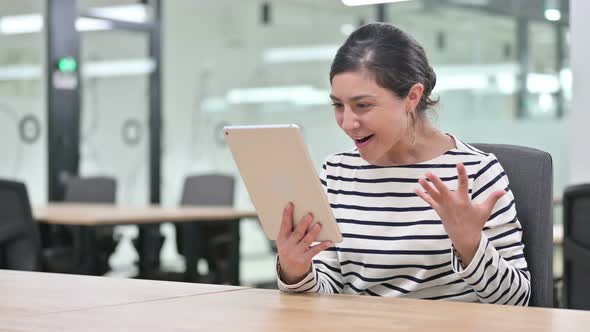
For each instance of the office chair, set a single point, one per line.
(19, 241)
(213, 238)
(576, 247)
(530, 173)
(99, 190)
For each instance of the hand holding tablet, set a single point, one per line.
(286, 192)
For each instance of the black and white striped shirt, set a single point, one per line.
(395, 244)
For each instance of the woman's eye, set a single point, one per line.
(336, 105)
(363, 105)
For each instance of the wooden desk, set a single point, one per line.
(91, 215)
(37, 293)
(266, 310)
(108, 214)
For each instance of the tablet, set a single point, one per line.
(277, 169)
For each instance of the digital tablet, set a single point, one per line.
(276, 168)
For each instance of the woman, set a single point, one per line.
(423, 215)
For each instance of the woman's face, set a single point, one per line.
(372, 116)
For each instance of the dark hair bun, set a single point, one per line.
(395, 59)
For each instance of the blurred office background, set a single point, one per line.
(503, 76)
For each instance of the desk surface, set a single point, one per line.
(265, 310)
(109, 214)
(36, 293)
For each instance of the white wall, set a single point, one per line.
(580, 117)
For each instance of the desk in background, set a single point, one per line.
(79, 214)
(90, 215)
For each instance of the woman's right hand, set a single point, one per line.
(294, 246)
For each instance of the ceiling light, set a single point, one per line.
(16, 24)
(133, 13)
(32, 23)
(113, 68)
(300, 54)
(127, 67)
(296, 94)
(552, 14)
(552, 10)
(368, 2)
(92, 24)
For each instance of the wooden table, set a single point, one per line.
(84, 216)
(79, 214)
(242, 309)
(36, 293)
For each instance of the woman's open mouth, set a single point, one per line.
(361, 142)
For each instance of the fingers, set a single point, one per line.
(426, 197)
(432, 192)
(301, 229)
(491, 201)
(316, 249)
(310, 237)
(293, 245)
(438, 184)
(287, 223)
(463, 187)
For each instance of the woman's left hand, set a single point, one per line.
(462, 219)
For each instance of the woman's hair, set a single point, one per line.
(395, 60)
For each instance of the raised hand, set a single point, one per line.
(462, 219)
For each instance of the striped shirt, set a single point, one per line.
(395, 244)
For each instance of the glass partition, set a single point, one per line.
(22, 97)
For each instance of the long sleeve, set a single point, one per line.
(325, 275)
(498, 272)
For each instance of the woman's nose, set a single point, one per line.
(349, 120)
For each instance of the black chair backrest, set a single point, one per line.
(19, 242)
(530, 172)
(97, 189)
(212, 189)
(576, 247)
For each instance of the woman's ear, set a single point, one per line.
(415, 94)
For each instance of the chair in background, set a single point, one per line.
(19, 242)
(530, 172)
(213, 238)
(576, 247)
(95, 190)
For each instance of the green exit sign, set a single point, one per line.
(67, 64)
